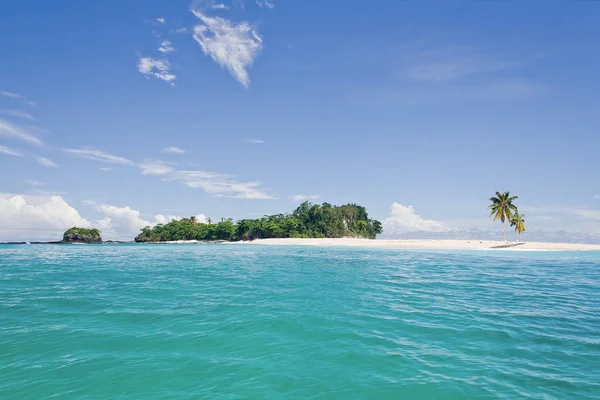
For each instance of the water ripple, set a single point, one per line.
(233, 322)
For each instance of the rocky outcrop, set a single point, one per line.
(81, 235)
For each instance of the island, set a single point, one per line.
(306, 221)
(82, 235)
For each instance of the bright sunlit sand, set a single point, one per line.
(430, 244)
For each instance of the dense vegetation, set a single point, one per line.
(307, 221)
(82, 235)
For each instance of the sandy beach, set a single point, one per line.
(429, 244)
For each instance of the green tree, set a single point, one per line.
(502, 208)
(518, 221)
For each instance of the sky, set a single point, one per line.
(124, 114)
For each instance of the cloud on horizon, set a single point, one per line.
(403, 219)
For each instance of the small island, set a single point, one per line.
(82, 235)
(307, 221)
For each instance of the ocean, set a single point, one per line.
(139, 322)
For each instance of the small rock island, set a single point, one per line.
(82, 235)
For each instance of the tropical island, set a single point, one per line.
(306, 221)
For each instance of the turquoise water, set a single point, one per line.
(238, 322)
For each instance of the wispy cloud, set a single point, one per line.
(105, 169)
(597, 196)
(160, 69)
(220, 6)
(156, 168)
(256, 141)
(35, 183)
(218, 184)
(98, 155)
(453, 63)
(10, 130)
(45, 162)
(304, 197)
(18, 97)
(182, 30)
(173, 149)
(265, 4)
(18, 114)
(160, 20)
(9, 151)
(232, 46)
(166, 47)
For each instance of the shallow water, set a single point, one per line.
(235, 322)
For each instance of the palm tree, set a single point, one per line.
(502, 208)
(518, 221)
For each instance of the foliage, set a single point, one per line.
(307, 221)
(76, 234)
(518, 221)
(502, 208)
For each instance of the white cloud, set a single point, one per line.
(10, 130)
(597, 196)
(220, 7)
(9, 151)
(17, 97)
(125, 223)
(98, 155)
(256, 141)
(304, 197)
(173, 149)
(122, 223)
(160, 69)
(182, 30)
(161, 219)
(166, 47)
(403, 219)
(156, 168)
(160, 20)
(104, 169)
(46, 217)
(265, 4)
(36, 217)
(18, 114)
(45, 162)
(231, 46)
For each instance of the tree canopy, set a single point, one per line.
(307, 221)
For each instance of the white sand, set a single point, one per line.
(426, 244)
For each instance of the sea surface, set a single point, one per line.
(277, 322)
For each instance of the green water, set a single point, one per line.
(253, 322)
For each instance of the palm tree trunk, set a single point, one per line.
(505, 239)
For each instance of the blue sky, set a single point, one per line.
(418, 110)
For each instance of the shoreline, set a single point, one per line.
(391, 244)
(431, 244)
